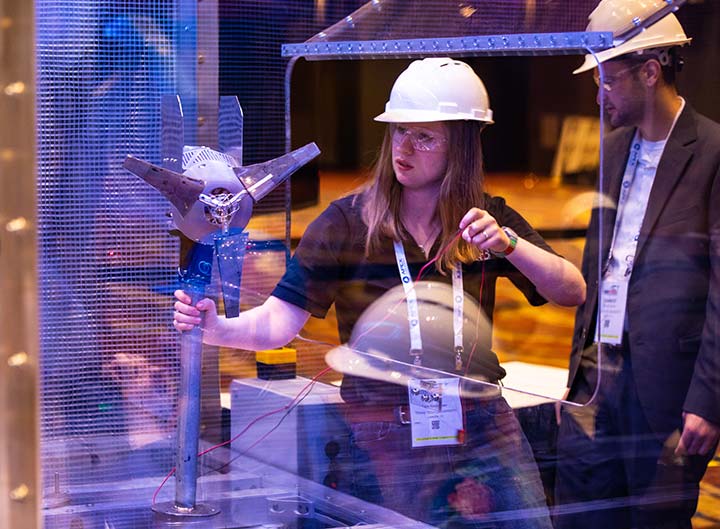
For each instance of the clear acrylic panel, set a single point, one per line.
(279, 445)
(397, 19)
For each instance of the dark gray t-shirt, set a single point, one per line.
(329, 266)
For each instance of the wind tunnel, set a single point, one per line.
(98, 257)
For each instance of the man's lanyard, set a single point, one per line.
(625, 187)
(613, 296)
(413, 312)
(628, 179)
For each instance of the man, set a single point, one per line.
(646, 349)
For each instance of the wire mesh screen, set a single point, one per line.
(106, 260)
(251, 67)
(109, 356)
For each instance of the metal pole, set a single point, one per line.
(195, 277)
(188, 430)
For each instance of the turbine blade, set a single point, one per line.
(182, 191)
(261, 178)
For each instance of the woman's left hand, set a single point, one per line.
(556, 279)
(480, 229)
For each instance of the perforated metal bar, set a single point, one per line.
(519, 44)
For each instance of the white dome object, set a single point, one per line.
(437, 89)
(620, 17)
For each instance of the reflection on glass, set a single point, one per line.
(645, 340)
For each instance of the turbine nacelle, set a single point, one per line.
(215, 194)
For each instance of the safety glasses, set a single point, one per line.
(420, 139)
(610, 82)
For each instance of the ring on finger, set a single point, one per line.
(485, 235)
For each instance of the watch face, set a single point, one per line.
(510, 232)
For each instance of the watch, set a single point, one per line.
(513, 242)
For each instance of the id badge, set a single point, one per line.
(436, 415)
(611, 318)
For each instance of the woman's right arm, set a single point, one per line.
(272, 324)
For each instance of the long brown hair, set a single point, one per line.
(461, 188)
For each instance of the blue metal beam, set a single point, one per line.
(513, 44)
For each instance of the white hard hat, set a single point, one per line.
(381, 343)
(620, 16)
(437, 89)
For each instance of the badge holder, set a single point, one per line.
(436, 414)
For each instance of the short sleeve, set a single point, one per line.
(316, 269)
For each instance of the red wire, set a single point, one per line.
(482, 282)
(250, 424)
(157, 491)
(286, 407)
(477, 322)
(438, 255)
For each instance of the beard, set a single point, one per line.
(627, 114)
(626, 108)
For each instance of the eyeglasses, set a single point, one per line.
(421, 140)
(610, 83)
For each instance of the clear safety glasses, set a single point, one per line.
(421, 139)
(610, 81)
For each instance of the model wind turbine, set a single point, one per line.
(212, 196)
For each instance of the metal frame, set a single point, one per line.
(20, 484)
(251, 493)
(515, 44)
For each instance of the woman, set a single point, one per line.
(427, 189)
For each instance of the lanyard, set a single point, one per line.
(625, 187)
(413, 312)
(627, 182)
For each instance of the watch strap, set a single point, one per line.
(513, 237)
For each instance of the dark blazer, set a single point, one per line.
(673, 310)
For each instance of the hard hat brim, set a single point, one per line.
(623, 49)
(377, 366)
(427, 116)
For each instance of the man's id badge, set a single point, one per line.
(611, 318)
(436, 415)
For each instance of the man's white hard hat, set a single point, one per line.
(620, 16)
